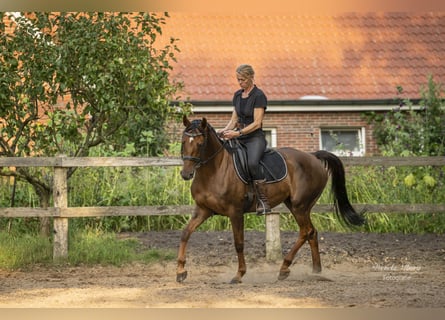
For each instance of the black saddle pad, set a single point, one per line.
(272, 164)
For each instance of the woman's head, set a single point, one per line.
(246, 71)
(245, 75)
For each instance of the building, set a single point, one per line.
(320, 73)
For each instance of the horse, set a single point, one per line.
(216, 189)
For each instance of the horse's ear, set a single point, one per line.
(204, 123)
(186, 121)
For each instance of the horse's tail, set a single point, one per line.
(343, 207)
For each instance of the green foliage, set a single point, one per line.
(96, 247)
(94, 240)
(164, 186)
(406, 223)
(396, 185)
(130, 187)
(18, 250)
(410, 133)
(87, 247)
(413, 132)
(375, 185)
(72, 81)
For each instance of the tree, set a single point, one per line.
(413, 132)
(72, 81)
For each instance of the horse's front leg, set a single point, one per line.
(198, 217)
(237, 221)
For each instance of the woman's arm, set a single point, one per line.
(258, 116)
(232, 123)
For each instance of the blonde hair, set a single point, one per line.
(246, 71)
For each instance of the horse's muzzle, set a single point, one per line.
(187, 175)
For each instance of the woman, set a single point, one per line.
(246, 123)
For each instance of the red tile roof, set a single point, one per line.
(345, 56)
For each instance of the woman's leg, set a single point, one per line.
(255, 150)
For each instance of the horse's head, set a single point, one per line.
(194, 140)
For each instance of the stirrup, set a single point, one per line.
(261, 208)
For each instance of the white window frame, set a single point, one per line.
(272, 142)
(361, 141)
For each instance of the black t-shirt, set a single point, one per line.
(245, 106)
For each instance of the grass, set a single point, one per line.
(86, 248)
(97, 247)
(406, 223)
(328, 222)
(21, 250)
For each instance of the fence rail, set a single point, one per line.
(113, 211)
(61, 212)
(67, 162)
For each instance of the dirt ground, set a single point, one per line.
(360, 270)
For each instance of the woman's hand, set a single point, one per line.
(230, 134)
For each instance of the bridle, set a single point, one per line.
(199, 161)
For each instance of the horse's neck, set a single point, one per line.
(215, 153)
(219, 166)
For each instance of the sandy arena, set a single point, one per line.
(359, 270)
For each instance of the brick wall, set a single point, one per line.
(299, 130)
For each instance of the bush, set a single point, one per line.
(413, 132)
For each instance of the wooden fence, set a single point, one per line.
(61, 212)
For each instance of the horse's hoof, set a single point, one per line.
(180, 277)
(283, 275)
(235, 281)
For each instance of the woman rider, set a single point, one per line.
(246, 123)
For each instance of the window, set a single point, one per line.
(271, 137)
(343, 142)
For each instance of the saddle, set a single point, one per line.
(272, 165)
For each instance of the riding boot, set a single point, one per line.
(262, 203)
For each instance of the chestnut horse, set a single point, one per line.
(217, 189)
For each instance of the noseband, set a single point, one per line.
(199, 161)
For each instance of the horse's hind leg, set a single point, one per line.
(307, 233)
(199, 216)
(313, 242)
(284, 270)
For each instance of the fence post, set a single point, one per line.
(273, 239)
(60, 194)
